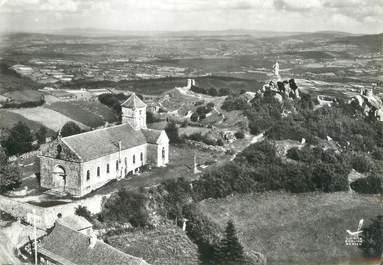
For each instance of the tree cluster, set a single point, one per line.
(211, 91)
(113, 101)
(199, 137)
(19, 141)
(126, 206)
(10, 175)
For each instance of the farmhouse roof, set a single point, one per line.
(75, 222)
(69, 247)
(133, 102)
(98, 143)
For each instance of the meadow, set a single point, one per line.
(90, 113)
(47, 117)
(295, 228)
(8, 119)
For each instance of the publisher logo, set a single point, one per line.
(354, 238)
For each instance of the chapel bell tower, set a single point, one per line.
(134, 112)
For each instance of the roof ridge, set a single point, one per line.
(98, 241)
(133, 97)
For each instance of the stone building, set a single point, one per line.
(66, 245)
(81, 163)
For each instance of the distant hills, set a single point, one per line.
(344, 37)
(374, 42)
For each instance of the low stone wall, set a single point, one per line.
(48, 215)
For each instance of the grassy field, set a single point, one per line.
(231, 83)
(47, 117)
(91, 113)
(148, 87)
(22, 96)
(8, 119)
(296, 228)
(161, 85)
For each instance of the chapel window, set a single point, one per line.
(117, 165)
(163, 152)
(142, 157)
(98, 171)
(87, 175)
(107, 168)
(134, 159)
(59, 150)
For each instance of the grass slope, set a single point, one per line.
(47, 117)
(91, 113)
(8, 119)
(295, 229)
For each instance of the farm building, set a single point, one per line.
(81, 163)
(66, 244)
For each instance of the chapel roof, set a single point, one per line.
(133, 102)
(70, 247)
(98, 143)
(151, 135)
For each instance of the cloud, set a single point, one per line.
(198, 14)
(297, 5)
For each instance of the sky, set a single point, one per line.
(356, 16)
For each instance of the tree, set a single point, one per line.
(172, 132)
(194, 117)
(372, 244)
(150, 117)
(41, 135)
(10, 178)
(3, 157)
(239, 135)
(84, 212)
(70, 128)
(127, 206)
(213, 92)
(20, 140)
(230, 250)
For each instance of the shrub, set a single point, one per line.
(213, 92)
(294, 153)
(239, 135)
(84, 212)
(220, 142)
(234, 103)
(378, 154)
(70, 128)
(372, 235)
(369, 185)
(194, 117)
(126, 206)
(362, 163)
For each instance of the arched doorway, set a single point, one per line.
(59, 178)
